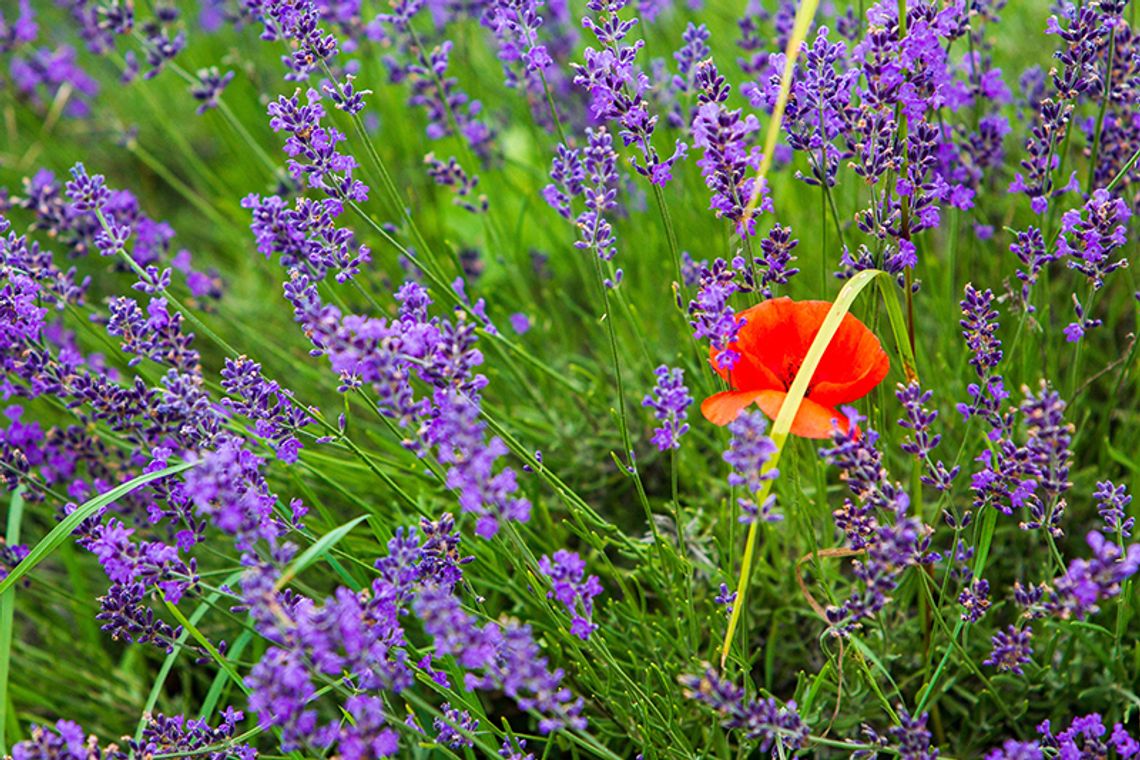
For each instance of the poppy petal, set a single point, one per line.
(778, 333)
(852, 365)
(722, 408)
(747, 375)
(813, 420)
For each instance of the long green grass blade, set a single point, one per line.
(7, 610)
(206, 644)
(67, 525)
(783, 425)
(210, 703)
(314, 552)
(898, 327)
(168, 663)
(800, 27)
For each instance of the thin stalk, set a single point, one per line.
(626, 440)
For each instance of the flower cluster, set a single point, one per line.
(1084, 737)
(449, 109)
(777, 727)
(387, 355)
(1089, 238)
(669, 401)
(748, 454)
(591, 174)
(729, 163)
(918, 419)
(1077, 593)
(618, 89)
(875, 521)
(314, 157)
(573, 589)
(360, 637)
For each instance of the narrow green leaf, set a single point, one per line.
(206, 644)
(65, 527)
(168, 663)
(210, 703)
(801, 25)
(898, 327)
(7, 610)
(314, 552)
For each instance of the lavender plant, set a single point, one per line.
(387, 381)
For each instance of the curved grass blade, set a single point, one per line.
(314, 552)
(783, 425)
(65, 527)
(800, 26)
(898, 328)
(7, 609)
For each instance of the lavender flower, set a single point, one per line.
(1011, 649)
(515, 750)
(227, 486)
(729, 163)
(271, 407)
(299, 22)
(592, 175)
(1031, 250)
(979, 328)
(712, 317)
(975, 600)
(526, 49)
(778, 728)
(617, 89)
(1085, 738)
(918, 419)
(438, 94)
(208, 89)
(725, 598)
(1112, 505)
(748, 454)
(1048, 442)
(670, 401)
(451, 174)
(447, 727)
(67, 742)
(10, 556)
(179, 734)
(875, 521)
(775, 260)
(306, 236)
(694, 49)
(599, 194)
(912, 738)
(567, 175)
(571, 587)
(312, 147)
(470, 457)
(819, 106)
(1013, 749)
(1076, 594)
(1088, 239)
(41, 74)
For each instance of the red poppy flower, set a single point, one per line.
(772, 345)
